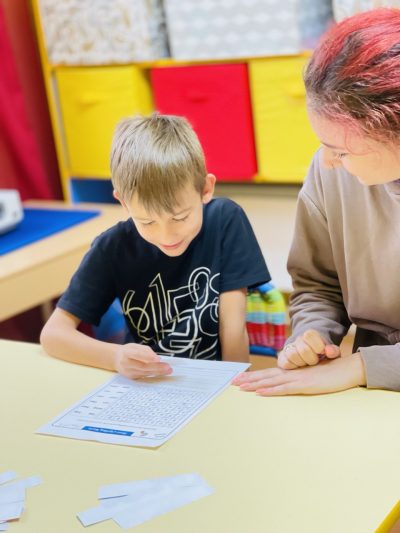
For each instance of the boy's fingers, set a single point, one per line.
(158, 368)
(135, 373)
(147, 368)
(142, 356)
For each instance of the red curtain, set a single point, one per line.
(21, 162)
(27, 156)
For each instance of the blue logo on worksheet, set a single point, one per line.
(109, 431)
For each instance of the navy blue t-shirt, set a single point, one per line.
(169, 303)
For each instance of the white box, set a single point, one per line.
(84, 32)
(211, 29)
(347, 8)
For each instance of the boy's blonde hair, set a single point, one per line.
(156, 157)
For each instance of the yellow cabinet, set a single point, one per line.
(285, 142)
(92, 100)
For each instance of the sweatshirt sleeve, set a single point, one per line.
(316, 301)
(382, 366)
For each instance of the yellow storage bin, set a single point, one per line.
(285, 142)
(92, 100)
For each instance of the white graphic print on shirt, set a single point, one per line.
(181, 321)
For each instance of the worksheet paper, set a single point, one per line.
(145, 412)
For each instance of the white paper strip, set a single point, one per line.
(161, 503)
(7, 476)
(144, 493)
(123, 489)
(11, 511)
(137, 487)
(98, 514)
(112, 502)
(26, 483)
(32, 481)
(12, 494)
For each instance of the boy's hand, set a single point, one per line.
(136, 361)
(307, 350)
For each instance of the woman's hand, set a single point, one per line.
(329, 376)
(307, 350)
(137, 361)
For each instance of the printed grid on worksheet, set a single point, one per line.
(141, 406)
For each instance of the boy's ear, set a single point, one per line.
(117, 197)
(208, 190)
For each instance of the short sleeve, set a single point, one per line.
(242, 262)
(91, 290)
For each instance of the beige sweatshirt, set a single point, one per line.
(345, 266)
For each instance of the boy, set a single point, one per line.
(180, 265)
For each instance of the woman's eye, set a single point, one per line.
(181, 219)
(147, 223)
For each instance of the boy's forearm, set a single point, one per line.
(77, 347)
(232, 326)
(235, 347)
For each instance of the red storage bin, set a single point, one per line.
(216, 100)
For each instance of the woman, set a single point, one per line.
(345, 255)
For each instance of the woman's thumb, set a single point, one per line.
(332, 351)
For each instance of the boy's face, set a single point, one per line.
(172, 232)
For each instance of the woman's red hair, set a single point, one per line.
(353, 76)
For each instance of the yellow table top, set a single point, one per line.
(324, 464)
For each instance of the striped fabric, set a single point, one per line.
(266, 320)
